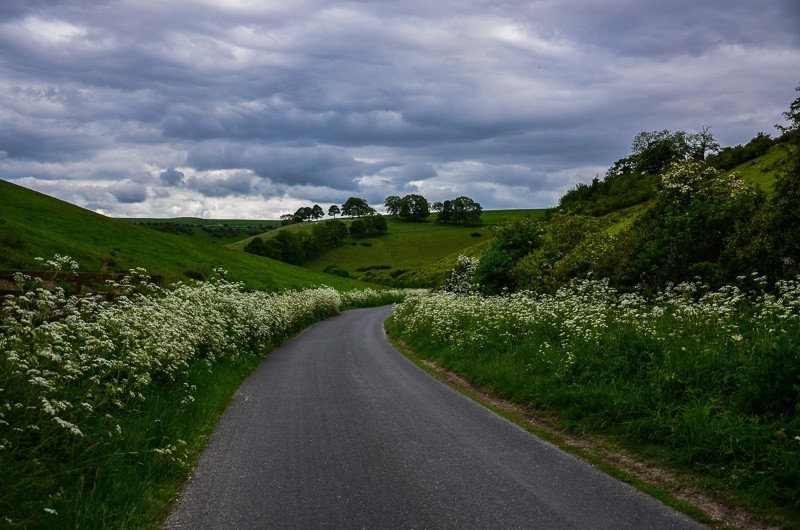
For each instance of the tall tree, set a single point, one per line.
(393, 204)
(702, 143)
(414, 208)
(357, 207)
(653, 152)
(317, 212)
(334, 210)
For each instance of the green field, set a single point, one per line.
(35, 225)
(425, 251)
(762, 170)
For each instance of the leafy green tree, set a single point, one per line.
(393, 204)
(303, 213)
(466, 212)
(334, 210)
(329, 234)
(372, 225)
(358, 229)
(653, 152)
(444, 211)
(414, 208)
(512, 242)
(317, 212)
(357, 207)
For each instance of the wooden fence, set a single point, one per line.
(82, 282)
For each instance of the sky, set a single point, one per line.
(252, 108)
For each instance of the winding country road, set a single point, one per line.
(336, 429)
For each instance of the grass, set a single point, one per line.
(762, 170)
(417, 254)
(36, 225)
(703, 383)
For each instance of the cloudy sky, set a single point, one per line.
(251, 108)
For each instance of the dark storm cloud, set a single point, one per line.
(171, 177)
(129, 192)
(516, 100)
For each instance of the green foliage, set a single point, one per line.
(462, 211)
(357, 207)
(695, 217)
(393, 204)
(616, 191)
(730, 157)
(372, 225)
(297, 246)
(336, 270)
(413, 208)
(423, 253)
(707, 379)
(511, 243)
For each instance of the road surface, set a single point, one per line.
(336, 429)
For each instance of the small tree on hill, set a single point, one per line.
(334, 210)
(393, 204)
(414, 208)
(357, 207)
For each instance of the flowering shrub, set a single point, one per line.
(72, 368)
(711, 374)
(460, 279)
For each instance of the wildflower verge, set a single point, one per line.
(104, 406)
(703, 381)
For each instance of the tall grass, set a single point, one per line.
(708, 378)
(105, 405)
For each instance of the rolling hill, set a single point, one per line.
(36, 225)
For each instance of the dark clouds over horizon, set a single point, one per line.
(250, 109)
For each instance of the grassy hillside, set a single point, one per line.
(410, 253)
(33, 224)
(763, 170)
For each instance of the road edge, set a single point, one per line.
(664, 486)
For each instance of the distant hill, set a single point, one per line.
(33, 224)
(410, 254)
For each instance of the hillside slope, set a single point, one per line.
(33, 224)
(410, 254)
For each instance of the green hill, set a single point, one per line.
(410, 254)
(36, 225)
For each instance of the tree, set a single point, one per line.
(393, 204)
(653, 152)
(414, 208)
(303, 213)
(702, 143)
(445, 210)
(317, 212)
(358, 229)
(287, 219)
(357, 207)
(329, 234)
(466, 212)
(371, 225)
(334, 210)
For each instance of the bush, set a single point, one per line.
(336, 270)
(194, 274)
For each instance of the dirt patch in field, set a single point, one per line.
(724, 514)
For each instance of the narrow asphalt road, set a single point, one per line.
(336, 429)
